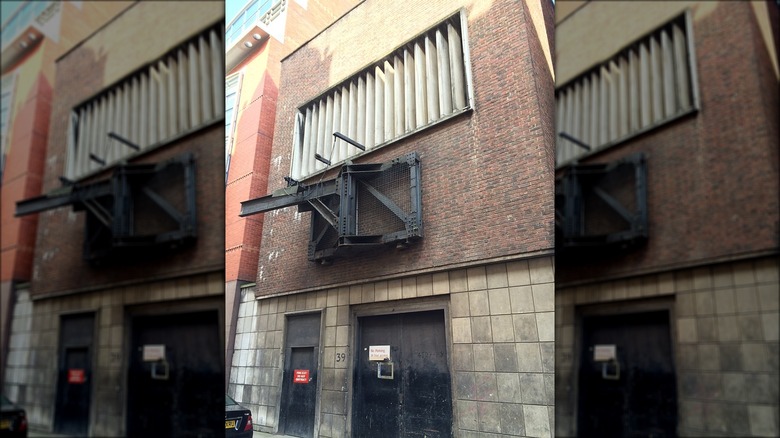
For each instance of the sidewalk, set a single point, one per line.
(37, 433)
(34, 433)
(257, 434)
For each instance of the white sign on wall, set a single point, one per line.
(604, 353)
(379, 352)
(153, 352)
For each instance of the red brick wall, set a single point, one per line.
(58, 265)
(713, 176)
(487, 176)
(248, 176)
(22, 179)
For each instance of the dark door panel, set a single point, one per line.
(74, 380)
(182, 395)
(301, 396)
(634, 395)
(417, 400)
(299, 388)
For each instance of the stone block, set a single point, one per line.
(536, 420)
(467, 416)
(532, 388)
(461, 330)
(505, 357)
(518, 273)
(459, 304)
(489, 419)
(511, 416)
(477, 278)
(463, 357)
(478, 303)
(521, 298)
(481, 329)
(544, 297)
(508, 387)
(502, 328)
(763, 420)
(545, 324)
(496, 276)
(499, 301)
(525, 327)
(529, 357)
(483, 357)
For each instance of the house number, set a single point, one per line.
(341, 357)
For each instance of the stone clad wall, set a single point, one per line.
(500, 333)
(31, 374)
(725, 344)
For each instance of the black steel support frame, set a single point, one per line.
(110, 203)
(570, 216)
(334, 202)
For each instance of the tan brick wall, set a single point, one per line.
(501, 341)
(725, 343)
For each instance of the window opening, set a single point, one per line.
(650, 82)
(423, 82)
(178, 93)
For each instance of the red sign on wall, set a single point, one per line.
(76, 375)
(301, 376)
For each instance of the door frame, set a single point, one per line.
(93, 350)
(184, 305)
(410, 305)
(317, 358)
(637, 305)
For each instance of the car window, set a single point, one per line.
(229, 401)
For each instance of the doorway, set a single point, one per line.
(74, 380)
(627, 383)
(401, 379)
(175, 376)
(299, 387)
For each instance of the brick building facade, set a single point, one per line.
(674, 310)
(122, 331)
(33, 36)
(252, 81)
(458, 322)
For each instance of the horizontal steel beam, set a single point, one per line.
(61, 197)
(272, 202)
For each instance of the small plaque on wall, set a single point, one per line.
(301, 376)
(379, 352)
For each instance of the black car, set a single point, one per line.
(238, 419)
(13, 419)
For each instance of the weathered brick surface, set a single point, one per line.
(248, 176)
(712, 176)
(486, 175)
(58, 265)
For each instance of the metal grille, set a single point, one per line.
(375, 218)
(599, 218)
(149, 219)
(330, 236)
